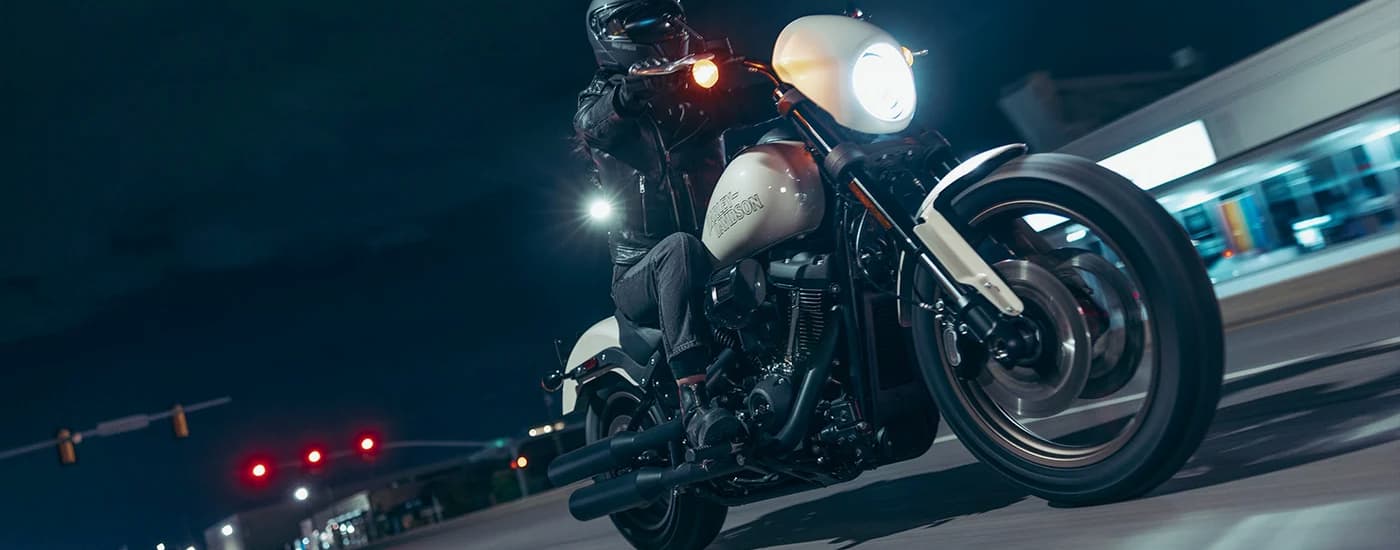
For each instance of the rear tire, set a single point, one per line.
(680, 522)
(1187, 350)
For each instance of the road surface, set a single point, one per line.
(1301, 456)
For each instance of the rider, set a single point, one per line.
(657, 146)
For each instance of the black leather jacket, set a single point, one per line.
(660, 165)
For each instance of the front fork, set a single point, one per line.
(979, 298)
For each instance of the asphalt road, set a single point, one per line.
(1300, 456)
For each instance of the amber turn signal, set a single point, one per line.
(705, 73)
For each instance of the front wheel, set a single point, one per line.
(683, 521)
(1131, 355)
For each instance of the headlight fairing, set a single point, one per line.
(884, 83)
(853, 70)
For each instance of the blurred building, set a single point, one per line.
(1050, 112)
(1281, 165)
(269, 527)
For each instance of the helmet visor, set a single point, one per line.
(648, 24)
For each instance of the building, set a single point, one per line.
(1281, 165)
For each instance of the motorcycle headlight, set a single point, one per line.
(884, 83)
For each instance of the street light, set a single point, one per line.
(227, 530)
(301, 493)
(599, 210)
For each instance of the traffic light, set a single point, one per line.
(67, 454)
(259, 470)
(367, 446)
(178, 424)
(315, 458)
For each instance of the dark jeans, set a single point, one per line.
(663, 291)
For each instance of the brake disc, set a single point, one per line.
(1115, 315)
(1052, 379)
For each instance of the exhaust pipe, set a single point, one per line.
(611, 453)
(639, 488)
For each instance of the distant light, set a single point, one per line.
(301, 493)
(259, 470)
(547, 429)
(1310, 237)
(190, 547)
(533, 432)
(1313, 222)
(1075, 236)
(559, 425)
(521, 462)
(1041, 222)
(600, 210)
(1165, 157)
(367, 444)
(1383, 132)
(314, 456)
(350, 529)
(160, 546)
(227, 530)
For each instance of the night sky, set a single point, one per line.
(365, 215)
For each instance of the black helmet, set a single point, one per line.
(624, 32)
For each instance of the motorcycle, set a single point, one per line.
(871, 285)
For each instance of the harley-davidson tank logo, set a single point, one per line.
(729, 210)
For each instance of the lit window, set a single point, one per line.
(1165, 157)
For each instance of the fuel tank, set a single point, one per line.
(768, 194)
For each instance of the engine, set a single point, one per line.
(776, 316)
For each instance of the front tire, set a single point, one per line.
(682, 521)
(1184, 338)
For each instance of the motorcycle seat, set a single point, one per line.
(637, 341)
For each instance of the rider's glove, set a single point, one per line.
(635, 93)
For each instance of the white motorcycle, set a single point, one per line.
(867, 284)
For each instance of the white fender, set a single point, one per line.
(600, 337)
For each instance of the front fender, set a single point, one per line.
(932, 214)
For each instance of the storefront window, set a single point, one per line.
(1333, 184)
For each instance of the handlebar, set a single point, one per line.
(672, 67)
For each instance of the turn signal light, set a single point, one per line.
(705, 73)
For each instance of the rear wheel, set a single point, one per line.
(1131, 357)
(682, 521)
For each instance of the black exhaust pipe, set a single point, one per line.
(639, 488)
(611, 453)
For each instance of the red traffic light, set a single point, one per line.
(367, 444)
(259, 470)
(314, 456)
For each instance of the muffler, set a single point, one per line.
(611, 453)
(639, 488)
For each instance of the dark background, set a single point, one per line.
(366, 215)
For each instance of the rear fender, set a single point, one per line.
(599, 363)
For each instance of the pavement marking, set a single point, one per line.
(1364, 350)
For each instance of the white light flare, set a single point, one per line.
(1165, 157)
(600, 210)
